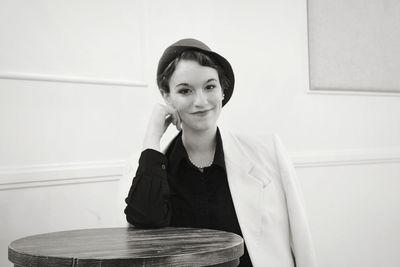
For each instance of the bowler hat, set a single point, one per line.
(175, 50)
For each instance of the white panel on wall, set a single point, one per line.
(354, 45)
(58, 123)
(92, 39)
(50, 208)
(354, 213)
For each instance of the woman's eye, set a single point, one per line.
(210, 86)
(184, 91)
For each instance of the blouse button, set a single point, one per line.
(163, 166)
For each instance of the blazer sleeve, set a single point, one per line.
(300, 236)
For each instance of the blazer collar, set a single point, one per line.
(234, 153)
(246, 181)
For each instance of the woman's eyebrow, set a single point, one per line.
(182, 84)
(211, 80)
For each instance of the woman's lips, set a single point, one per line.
(201, 113)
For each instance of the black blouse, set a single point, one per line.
(168, 190)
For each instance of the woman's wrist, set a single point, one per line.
(152, 141)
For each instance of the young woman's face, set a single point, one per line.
(196, 93)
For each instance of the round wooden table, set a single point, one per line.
(122, 247)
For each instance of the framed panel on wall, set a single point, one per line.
(354, 45)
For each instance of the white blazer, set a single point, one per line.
(268, 201)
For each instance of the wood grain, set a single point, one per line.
(120, 247)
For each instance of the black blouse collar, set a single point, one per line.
(176, 153)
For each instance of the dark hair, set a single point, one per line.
(199, 57)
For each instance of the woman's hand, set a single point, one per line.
(161, 117)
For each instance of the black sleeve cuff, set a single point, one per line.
(152, 161)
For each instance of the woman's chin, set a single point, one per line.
(200, 126)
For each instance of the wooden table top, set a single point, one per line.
(119, 247)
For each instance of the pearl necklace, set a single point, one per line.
(201, 167)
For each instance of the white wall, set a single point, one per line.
(67, 138)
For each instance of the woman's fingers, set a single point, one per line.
(174, 116)
(178, 121)
(161, 118)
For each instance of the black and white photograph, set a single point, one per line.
(179, 133)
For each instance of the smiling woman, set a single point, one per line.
(207, 178)
(196, 94)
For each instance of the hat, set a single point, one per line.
(175, 50)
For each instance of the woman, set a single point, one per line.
(208, 178)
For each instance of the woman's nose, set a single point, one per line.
(201, 98)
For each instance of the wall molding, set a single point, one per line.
(69, 79)
(13, 177)
(345, 157)
(41, 175)
(332, 91)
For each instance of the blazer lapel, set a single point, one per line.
(245, 185)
